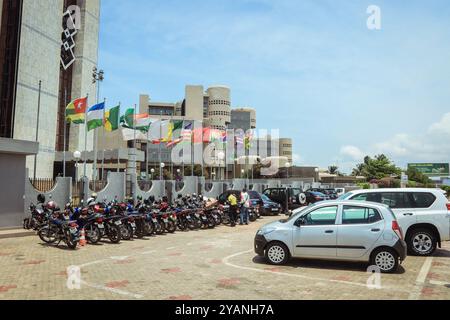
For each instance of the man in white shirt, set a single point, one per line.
(245, 204)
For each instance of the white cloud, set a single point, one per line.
(352, 152)
(431, 146)
(441, 127)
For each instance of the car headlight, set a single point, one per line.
(263, 232)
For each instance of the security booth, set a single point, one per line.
(13, 175)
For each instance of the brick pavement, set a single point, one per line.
(207, 264)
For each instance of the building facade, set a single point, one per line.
(243, 118)
(32, 76)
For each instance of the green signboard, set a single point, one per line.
(432, 169)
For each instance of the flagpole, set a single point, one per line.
(160, 138)
(85, 136)
(103, 142)
(65, 129)
(118, 153)
(146, 163)
(37, 128)
(171, 160)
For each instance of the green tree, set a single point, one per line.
(378, 167)
(333, 170)
(417, 176)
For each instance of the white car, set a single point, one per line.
(423, 214)
(335, 230)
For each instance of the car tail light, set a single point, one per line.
(99, 220)
(396, 228)
(73, 225)
(448, 206)
(318, 198)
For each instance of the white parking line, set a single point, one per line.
(112, 290)
(359, 284)
(423, 273)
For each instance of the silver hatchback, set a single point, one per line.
(335, 230)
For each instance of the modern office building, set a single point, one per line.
(32, 76)
(285, 148)
(243, 118)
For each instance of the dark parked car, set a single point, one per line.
(331, 193)
(269, 207)
(288, 198)
(313, 197)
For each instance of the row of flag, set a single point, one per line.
(143, 127)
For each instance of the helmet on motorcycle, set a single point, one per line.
(139, 198)
(180, 196)
(151, 199)
(51, 205)
(94, 195)
(165, 199)
(41, 198)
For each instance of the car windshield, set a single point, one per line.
(345, 196)
(253, 194)
(265, 198)
(296, 213)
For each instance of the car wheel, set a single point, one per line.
(385, 259)
(277, 253)
(421, 242)
(302, 199)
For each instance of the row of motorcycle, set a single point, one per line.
(118, 221)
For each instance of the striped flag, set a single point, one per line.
(112, 119)
(76, 111)
(95, 116)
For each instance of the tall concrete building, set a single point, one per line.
(30, 53)
(285, 145)
(219, 107)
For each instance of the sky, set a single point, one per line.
(311, 68)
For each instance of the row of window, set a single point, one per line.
(350, 215)
(287, 145)
(219, 113)
(222, 102)
(399, 200)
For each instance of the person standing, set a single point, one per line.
(245, 205)
(232, 199)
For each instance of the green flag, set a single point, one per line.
(112, 119)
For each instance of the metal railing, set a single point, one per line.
(43, 185)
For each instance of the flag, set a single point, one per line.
(239, 140)
(131, 134)
(76, 111)
(112, 119)
(126, 120)
(160, 131)
(95, 116)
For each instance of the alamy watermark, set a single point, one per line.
(374, 19)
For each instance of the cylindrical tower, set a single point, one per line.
(219, 108)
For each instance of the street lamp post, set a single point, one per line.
(242, 173)
(77, 156)
(161, 168)
(97, 78)
(221, 157)
(288, 165)
(152, 171)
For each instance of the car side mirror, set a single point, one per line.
(300, 222)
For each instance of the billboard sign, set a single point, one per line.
(431, 169)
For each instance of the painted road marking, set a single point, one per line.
(226, 262)
(423, 273)
(113, 290)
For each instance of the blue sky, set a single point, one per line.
(310, 68)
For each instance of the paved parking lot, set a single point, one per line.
(208, 264)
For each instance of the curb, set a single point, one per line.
(16, 234)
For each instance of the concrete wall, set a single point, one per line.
(12, 173)
(115, 188)
(40, 48)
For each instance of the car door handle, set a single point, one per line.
(375, 230)
(408, 214)
(329, 231)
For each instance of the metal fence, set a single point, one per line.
(43, 185)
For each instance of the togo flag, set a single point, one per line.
(95, 116)
(76, 110)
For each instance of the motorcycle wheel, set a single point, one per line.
(71, 243)
(159, 228)
(211, 222)
(47, 234)
(140, 231)
(181, 226)
(226, 219)
(171, 227)
(252, 217)
(93, 234)
(114, 234)
(191, 225)
(126, 231)
(218, 219)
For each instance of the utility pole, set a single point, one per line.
(37, 127)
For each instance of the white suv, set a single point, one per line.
(423, 214)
